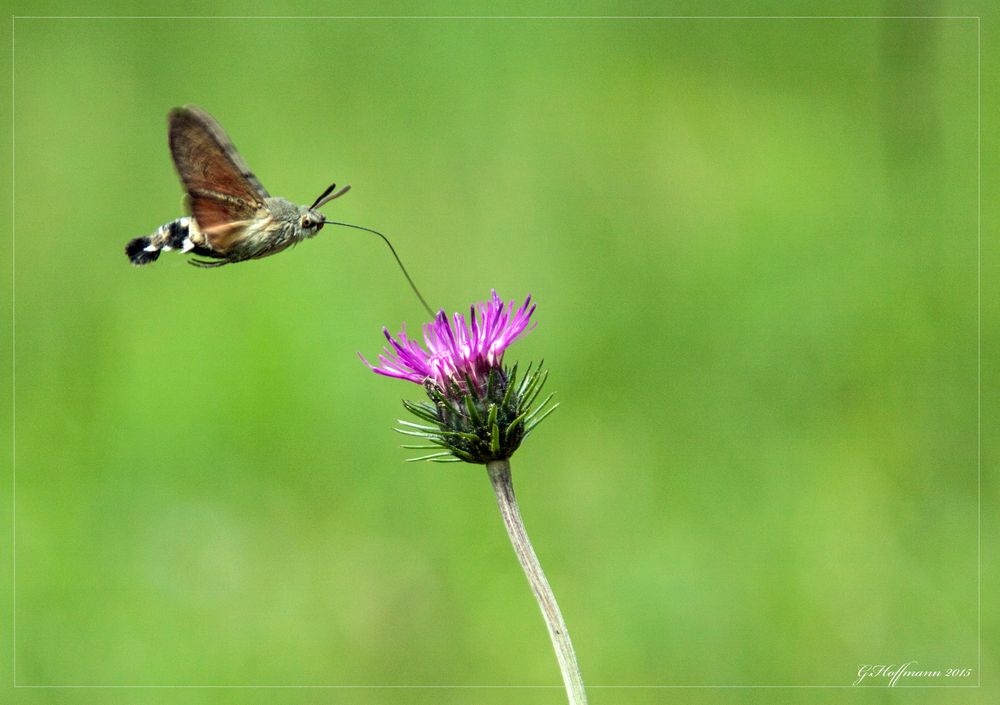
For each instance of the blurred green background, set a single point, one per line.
(753, 244)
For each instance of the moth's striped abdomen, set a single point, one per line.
(174, 235)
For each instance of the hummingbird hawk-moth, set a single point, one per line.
(232, 216)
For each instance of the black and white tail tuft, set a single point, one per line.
(137, 252)
(170, 236)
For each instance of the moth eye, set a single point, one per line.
(306, 223)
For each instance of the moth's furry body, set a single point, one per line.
(233, 218)
(278, 228)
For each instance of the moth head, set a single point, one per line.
(310, 220)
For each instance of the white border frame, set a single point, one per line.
(979, 494)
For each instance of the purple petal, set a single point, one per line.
(456, 348)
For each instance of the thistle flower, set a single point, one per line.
(478, 409)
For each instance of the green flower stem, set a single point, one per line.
(499, 471)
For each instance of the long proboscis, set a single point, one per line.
(393, 250)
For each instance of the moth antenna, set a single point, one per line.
(325, 197)
(391, 249)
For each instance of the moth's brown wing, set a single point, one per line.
(221, 188)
